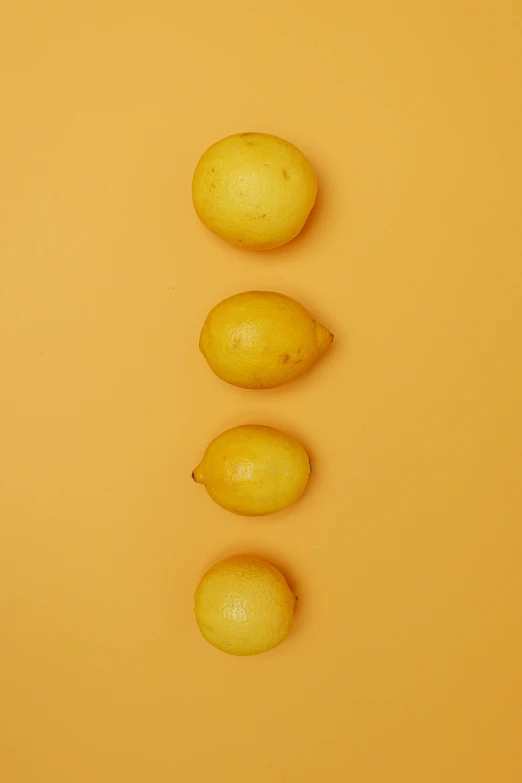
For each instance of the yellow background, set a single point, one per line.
(405, 664)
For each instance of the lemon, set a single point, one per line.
(254, 190)
(254, 470)
(243, 606)
(261, 339)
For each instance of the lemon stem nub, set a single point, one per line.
(197, 475)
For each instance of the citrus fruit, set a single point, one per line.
(243, 606)
(261, 339)
(254, 470)
(254, 190)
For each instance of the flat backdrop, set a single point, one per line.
(405, 553)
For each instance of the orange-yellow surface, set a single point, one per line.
(405, 552)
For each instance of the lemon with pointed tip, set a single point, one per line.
(254, 190)
(243, 606)
(261, 339)
(254, 470)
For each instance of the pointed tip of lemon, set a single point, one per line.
(324, 337)
(197, 475)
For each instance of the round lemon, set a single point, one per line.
(261, 339)
(243, 606)
(254, 470)
(254, 190)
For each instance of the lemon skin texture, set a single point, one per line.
(243, 606)
(254, 190)
(261, 339)
(254, 470)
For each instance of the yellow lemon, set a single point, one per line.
(260, 339)
(254, 470)
(244, 606)
(254, 190)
